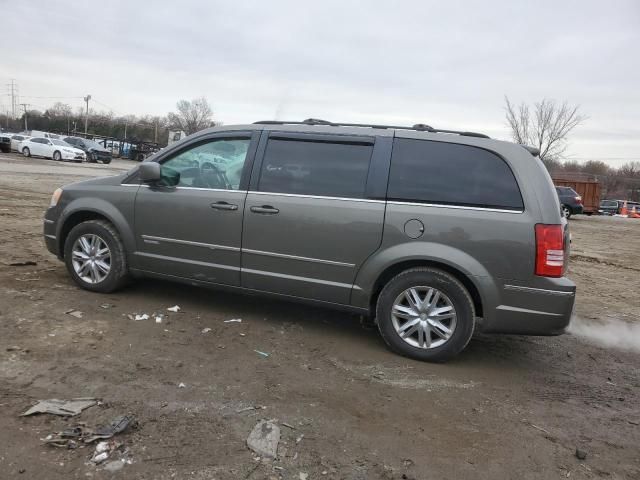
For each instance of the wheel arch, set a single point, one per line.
(392, 270)
(83, 213)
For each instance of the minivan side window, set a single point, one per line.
(451, 174)
(323, 168)
(214, 164)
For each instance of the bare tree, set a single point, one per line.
(192, 116)
(546, 126)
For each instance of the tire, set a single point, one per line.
(455, 295)
(26, 152)
(57, 156)
(566, 211)
(117, 275)
(106, 161)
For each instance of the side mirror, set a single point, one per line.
(149, 172)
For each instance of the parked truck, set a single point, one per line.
(587, 186)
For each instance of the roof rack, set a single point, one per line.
(420, 127)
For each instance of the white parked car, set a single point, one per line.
(16, 140)
(50, 148)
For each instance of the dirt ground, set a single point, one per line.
(507, 407)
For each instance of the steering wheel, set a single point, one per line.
(213, 176)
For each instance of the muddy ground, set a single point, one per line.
(507, 407)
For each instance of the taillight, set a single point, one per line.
(549, 250)
(579, 199)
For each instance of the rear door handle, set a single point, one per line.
(265, 210)
(224, 206)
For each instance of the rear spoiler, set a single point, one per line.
(532, 150)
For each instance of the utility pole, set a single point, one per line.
(26, 127)
(125, 129)
(86, 118)
(156, 135)
(13, 92)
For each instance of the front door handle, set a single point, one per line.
(265, 210)
(224, 206)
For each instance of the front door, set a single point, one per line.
(308, 223)
(38, 147)
(190, 224)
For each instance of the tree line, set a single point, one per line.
(190, 117)
(545, 125)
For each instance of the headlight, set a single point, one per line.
(55, 197)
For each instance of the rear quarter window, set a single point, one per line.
(451, 174)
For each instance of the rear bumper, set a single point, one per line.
(526, 310)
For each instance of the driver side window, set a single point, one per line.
(215, 164)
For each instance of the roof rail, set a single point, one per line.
(420, 127)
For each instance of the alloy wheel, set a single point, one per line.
(424, 317)
(91, 258)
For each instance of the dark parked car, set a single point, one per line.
(5, 142)
(94, 151)
(376, 220)
(570, 201)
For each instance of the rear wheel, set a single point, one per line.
(57, 156)
(566, 211)
(95, 256)
(26, 152)
(106, 161)
(426, 314)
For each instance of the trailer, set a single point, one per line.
(587, 186)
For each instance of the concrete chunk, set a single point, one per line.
(264, 439)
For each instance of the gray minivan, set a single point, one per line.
(432, 233)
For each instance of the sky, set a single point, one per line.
(447, 64)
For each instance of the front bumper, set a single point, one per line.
(49, 228)
(79, 157)
(577, 209)
(543, 309)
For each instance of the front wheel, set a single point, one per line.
(426, 314)
(26, 152)
(106, 161)
(57, 156)
(95, 256)
(566, 211)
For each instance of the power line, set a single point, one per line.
(34, 96)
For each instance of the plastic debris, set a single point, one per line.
(234, 320)
(99, 458)
(106, 306)
(264, 354)
(143, 316)
(158, 318)
(54, 406)
(182, 385)
(174, 309)
(118, 425)
(74, 313)
(72, 437)
(206, 330)
(264, 439)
